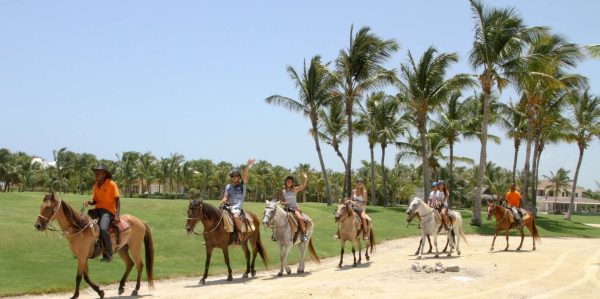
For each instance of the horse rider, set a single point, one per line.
(108, 206)
(443, 199)
(289, 199)
(359, 204)
(234, 195)
(513, 197)
(433, 196)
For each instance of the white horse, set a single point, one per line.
(430, 223)
(276, 218)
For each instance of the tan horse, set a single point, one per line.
(505, 221)
(349, 230)
(215, 236)
(82, 233)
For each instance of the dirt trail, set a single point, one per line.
(559, 268)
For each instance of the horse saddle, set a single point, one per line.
(294, 221)
(115, 229)
(247, 222)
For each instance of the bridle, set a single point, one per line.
(196, 219)
(411, 212)
(49, 219)
(47, 225)
(348, 213)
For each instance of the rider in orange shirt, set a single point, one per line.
(513, 197)
(108, 207)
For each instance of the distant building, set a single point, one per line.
(547, 201)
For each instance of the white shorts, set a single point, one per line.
(235, 210)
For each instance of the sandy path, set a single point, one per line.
(559, 268)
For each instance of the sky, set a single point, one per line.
(190, 77)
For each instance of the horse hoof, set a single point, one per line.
(340, 266)
(519, 249)
(419, 257)
(533, 248)
(300, 271)
(121, 291)
(359, 262)
(229, 278)
(417, 253)
(280, 274)
(354, 265)
(202, 281)
(101, 294)
(253, 273)
(368, 258)
(134, 293)
(492, 249)
(437, 256)
(458, 252)
(245, 275)
(449, 254)
(430, 251)
(505, 249)
(288, 271)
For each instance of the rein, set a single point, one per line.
(205, 232)
(63, 232)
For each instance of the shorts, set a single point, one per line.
(234, 210)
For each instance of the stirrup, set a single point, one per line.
(303, 238)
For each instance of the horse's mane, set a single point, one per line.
(210, 212)
(73, 217)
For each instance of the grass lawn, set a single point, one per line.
(34, 262)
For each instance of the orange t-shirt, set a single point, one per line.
(514, 199)
(105, 196)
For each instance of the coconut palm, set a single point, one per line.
(332, 127)
(81, 166)
(146, 170)
(127, 169)
(559, 181)
(583, 128)
(175, 161)
(500, 36)
(423, 87)
(314, 87)
(593, 50)
(451, 125)
(64, 166)
(302, 168)
(359, 69)
(513, 120)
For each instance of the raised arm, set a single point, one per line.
(245, 175)
(304, 182)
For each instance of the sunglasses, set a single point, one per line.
(233, 176)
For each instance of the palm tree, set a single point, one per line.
(423, 87)
(332, 127)
(64, 165)
(163, 173)
(513, 120)
(558, 182)
(453, 116)
(81, 165)
(175, 161)
(359, 68)
(584, 127)
(146, 170)
(302, 168)
(314, 92)
(128, 164)
(500, 36)
(593, 50)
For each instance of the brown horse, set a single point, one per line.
(504, 221)
(215, 236)
(82, 233)
(350, 230)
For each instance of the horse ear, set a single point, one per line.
(52, 196)
(266, 201)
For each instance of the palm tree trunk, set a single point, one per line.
(323, 169)
(450, 178)
(476, 219)
(533, 187)
(572, 204)
(348, 175)
(371, 146)
(537, 173)
(530, 118)
(385, 193)
(514, 170)
(425, 157)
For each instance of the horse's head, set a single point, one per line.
(490, 209)
(269, 212)
(48, 210)
(194, 214)
(343, 208)
(411, 211)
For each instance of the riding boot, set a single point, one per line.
(303, 236)
(107, 256)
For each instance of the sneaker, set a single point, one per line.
(273, 238)
(336, 237)
(106, 258)
(304, 238)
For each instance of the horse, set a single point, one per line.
(503, 222)
(82, 233)
(349, 230)
(278, 219)
(430, 223)
(429, 240)
(218, 237)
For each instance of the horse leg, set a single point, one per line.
(530, 228)
(253, 242)
(341, 254)
(359, 245)
(507, 231)
(423, 236)
(136, 251)
(448, 240)
(494, 240)
(226, 255)
(247, 255)
(89, 281)
(419, 248)
(81, 264)
(456, 235)
(354, 254)
(430, 247)
(437, 253)
(367, 242)
(288, 248)
(209, 250)
(522, 238)
(302, 247)
(128, 266)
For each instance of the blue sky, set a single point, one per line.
(191, 76)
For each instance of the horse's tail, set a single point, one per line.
(149, 245)
(372, 240)
(534, 230)
(462, 233)
(259, 246)
(312, 251)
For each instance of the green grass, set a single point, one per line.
(34, 262)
